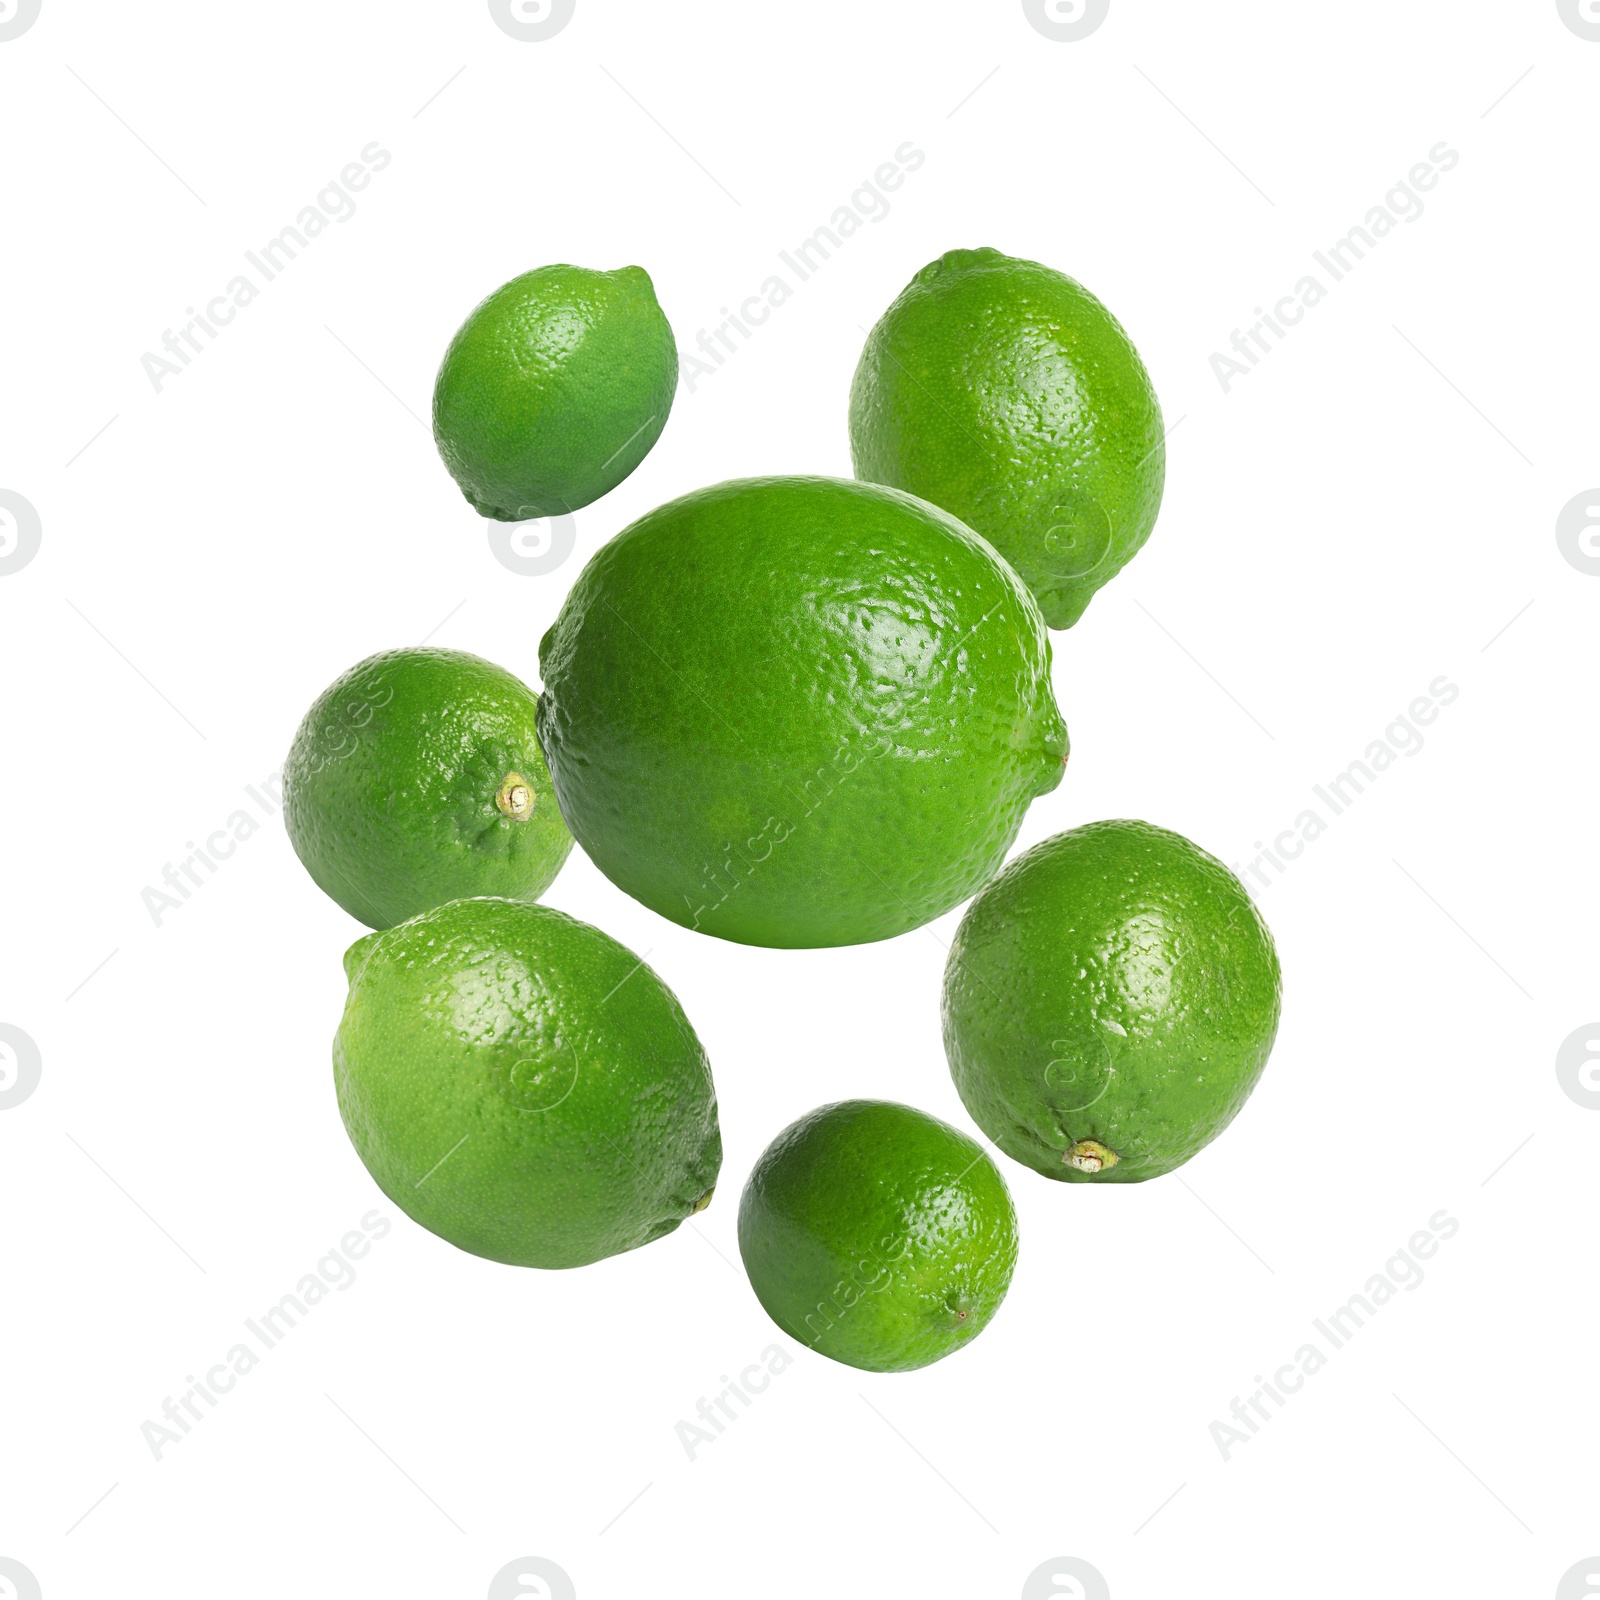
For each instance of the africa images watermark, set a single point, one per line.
(532, 21)
(21, 532)
(869, 203)
(335, 738)
(1582, 16)
(1403, 737)
(334, 1272)
(534, 547)
(1577, 532)
(1403, 1270)
(1402, 203)
(19, 1583)
(1065, 1578)
(1577, 1066)
(21, 1066)
(335, 202)
(531, 1578)
(738, 864)
(16, 17)
(206, 857)
(718, 1413)
(1065, 21)
(868, 1275)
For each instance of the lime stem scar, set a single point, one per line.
(515, 797)
(1089, 1155)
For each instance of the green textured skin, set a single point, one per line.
(877, 1235)
(524, 1086)
(1114, 984)
(798, 711)
(554, 390)
(1005, 392)
(389, 789)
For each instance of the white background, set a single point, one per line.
(1372, 507)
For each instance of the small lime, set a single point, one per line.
(417, 778)
(877, 1235)
(554, 390)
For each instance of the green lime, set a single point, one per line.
(798, 711)
(1006, 393)
(877, 1235)
(1109, 1003)
(417, 778)
(554, 390)
(524, 1086)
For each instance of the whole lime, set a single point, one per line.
(417, 778)
(1005, 392)
(554, 390)
(798, 711)
(877, 1235)
(1109, 1003)
(523, 1086)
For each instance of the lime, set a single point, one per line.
(524, 1086)
(798, 711)
(417, 778)
(554, 390)
(1109, 1003)
(877, 1235)
(1006, 393)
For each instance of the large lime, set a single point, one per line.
(798, 711)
